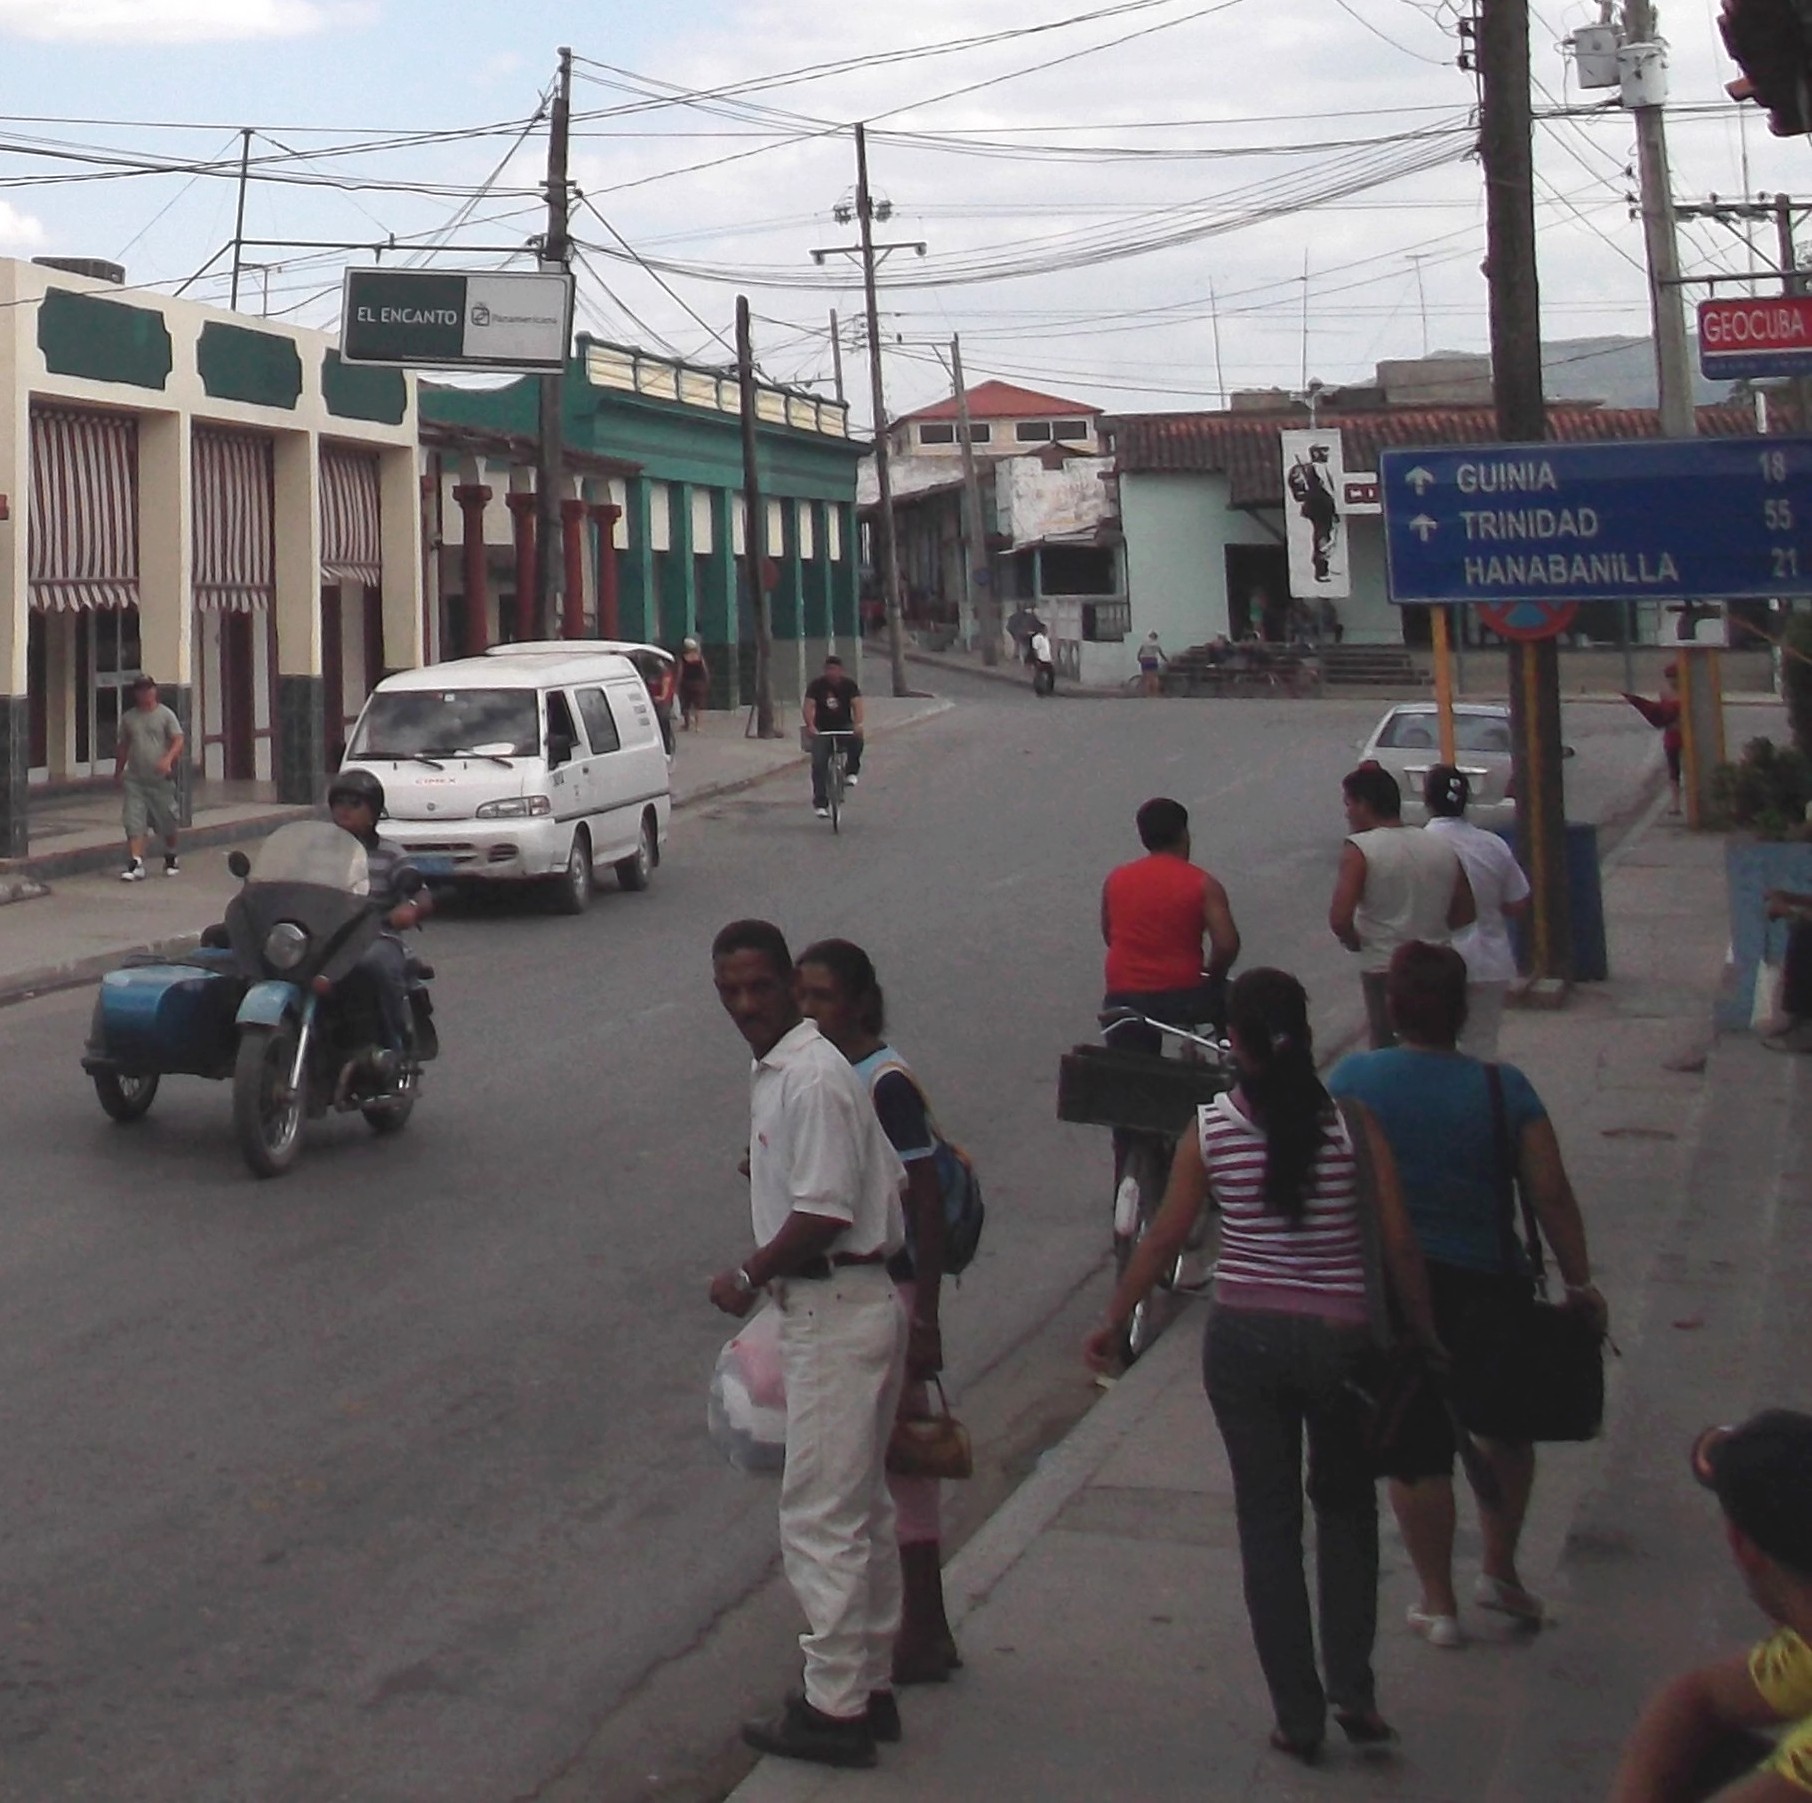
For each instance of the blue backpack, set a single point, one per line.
(964, 1211)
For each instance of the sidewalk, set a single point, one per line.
(85, 925)
(1100, 1610)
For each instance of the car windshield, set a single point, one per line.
(313, 851)
(1477, 733)
(413, 723)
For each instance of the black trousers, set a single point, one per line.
(1796, 972)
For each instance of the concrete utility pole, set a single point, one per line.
(886, 548)
(1507, 153)
(1667, 297)
(837, 356)
(979, 592)
(755, 528)
(550, 468)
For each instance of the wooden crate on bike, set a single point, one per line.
(1101, 1087)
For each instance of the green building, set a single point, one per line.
(658, 533)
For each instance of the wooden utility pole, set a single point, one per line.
(886, 547)
(550, 469)
(837, 355)
(978, 567)
(1667, 297)
(1507, 154)
(755, 528)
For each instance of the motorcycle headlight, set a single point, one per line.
(514, 807)
(285, 945)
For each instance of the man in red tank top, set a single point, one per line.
(1156, 914)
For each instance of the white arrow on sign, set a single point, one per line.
(1421, 480)
(1422, 526)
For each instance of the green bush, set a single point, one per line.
(1766, 792)
(1796, 679)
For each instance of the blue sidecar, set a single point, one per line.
(163, 1018)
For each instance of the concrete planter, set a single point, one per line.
(1751, 868)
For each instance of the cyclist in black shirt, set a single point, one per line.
(833, 703)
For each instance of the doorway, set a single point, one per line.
(1258, 591)
(107, 659)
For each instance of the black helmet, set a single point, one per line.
(358, 785)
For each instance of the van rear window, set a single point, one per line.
(447, 722)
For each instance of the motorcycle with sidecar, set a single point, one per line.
(279, 1010)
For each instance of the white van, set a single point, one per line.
(540, 766)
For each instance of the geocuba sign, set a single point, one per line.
(438, 319)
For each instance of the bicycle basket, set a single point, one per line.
(1100, 1087)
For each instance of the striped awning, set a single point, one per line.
(235, 522)
(83, 534)
(350, 544)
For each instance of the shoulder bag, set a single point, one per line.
(934, 1444)
(1538, 1369)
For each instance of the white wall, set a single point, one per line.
(1178, 528)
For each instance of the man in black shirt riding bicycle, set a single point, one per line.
(833, 704)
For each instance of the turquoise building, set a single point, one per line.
(664, 510)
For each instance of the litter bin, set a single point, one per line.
(1585, 903)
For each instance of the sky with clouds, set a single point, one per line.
(1294, 173)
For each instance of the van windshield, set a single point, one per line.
(411, 723)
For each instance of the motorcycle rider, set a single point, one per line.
(355, 798)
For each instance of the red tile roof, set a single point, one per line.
(1245, 447)
(1003, 400)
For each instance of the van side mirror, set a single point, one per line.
(239, 864)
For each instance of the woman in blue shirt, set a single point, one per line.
(1434, 1106)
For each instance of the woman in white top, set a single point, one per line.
(1499, 890)
(1286, 1334)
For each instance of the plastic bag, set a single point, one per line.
(746, 1412)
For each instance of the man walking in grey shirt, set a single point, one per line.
(144, 762)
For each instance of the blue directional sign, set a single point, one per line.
(1655, 520)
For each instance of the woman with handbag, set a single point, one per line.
(838, 989)
(1464, 1135)
(1287, 1345)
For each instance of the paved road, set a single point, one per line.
(388, 1481)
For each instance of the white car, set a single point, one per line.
(1407, 742)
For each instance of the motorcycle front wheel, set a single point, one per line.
(125, 1098)
(267, 1117)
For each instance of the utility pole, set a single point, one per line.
(550, 468)
(870, 254)
(755, 528)
(1507, 154)
(978, 566)
(837, 356)
(1667, 297)
(886, 549)
(245, 168)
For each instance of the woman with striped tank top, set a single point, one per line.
(1287, 1329)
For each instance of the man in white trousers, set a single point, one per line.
(824, 1193)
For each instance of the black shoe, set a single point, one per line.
(802, 1732)
(884, 1716)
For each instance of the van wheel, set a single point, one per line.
(572, 887)
(637, 872)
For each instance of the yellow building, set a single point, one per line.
(209, 499)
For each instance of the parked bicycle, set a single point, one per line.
(1150, 1100)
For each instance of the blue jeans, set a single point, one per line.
(1269, 1378)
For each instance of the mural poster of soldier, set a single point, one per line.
(1314, 471)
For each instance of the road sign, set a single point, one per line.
(1661, 520)
(1770, 336)
(437, 319)
(1528, 620)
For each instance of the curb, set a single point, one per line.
(50, 978)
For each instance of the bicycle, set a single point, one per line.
(1151, 1102)
(836, 776)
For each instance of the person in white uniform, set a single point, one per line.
(1395, 885)
(1499, 890)
(824, 1193)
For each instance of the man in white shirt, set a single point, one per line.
(1499, 889)
(824, 1193)
(1395, 885)
(1044, 670)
